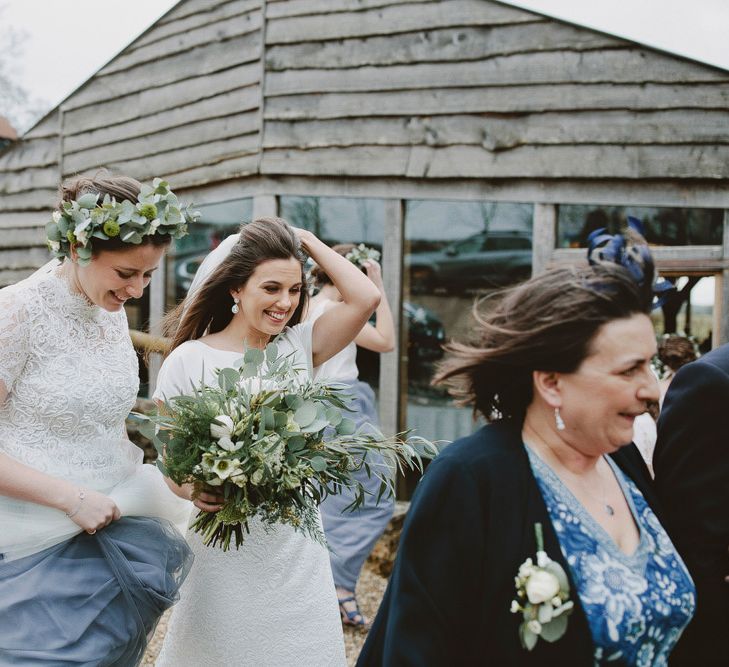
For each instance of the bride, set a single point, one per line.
(272, 602)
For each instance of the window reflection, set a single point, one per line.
(343, 220)
(663, 226)
(217, 221)
(454, 252)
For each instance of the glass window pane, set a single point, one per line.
(690, 311)
(343, 220)
(454, 252)
(218, 220)
(663, 226)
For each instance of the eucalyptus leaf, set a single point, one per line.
(296, 443)
(228, 379)
(346, 426)
(249, 371)
(83, 253)
(281, 419)
(306, 414)
(315, 426)
(294, 402)
(254, 356)
(553, 630)
(528, 638)
(52, 232)
(333, 416)
(319, 464)
(267, 418)
(88, 201)
(271, 352)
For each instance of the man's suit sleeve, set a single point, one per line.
(691, 462)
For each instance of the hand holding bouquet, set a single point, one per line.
(259, 437)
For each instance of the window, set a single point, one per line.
(454, 252)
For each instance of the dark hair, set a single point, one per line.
(548, 324)
(317, 273)
(209, 308)
(675, 351)
(119, 187)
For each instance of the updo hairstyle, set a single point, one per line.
(118, 187)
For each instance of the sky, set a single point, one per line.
(66, 41)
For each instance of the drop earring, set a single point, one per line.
(558, 420)
(235, 308)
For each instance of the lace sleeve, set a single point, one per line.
(14, 336)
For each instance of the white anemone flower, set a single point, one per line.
(224, 427)
(228, 445)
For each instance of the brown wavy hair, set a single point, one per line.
(547, 324)
(209, 308)
(120, 187)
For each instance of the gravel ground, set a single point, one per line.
(370, 589)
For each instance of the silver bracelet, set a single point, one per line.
(81, 496)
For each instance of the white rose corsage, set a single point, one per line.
(542, 596)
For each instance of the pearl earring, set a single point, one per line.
(235, 308)
(558, 420)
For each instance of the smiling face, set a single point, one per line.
(601, 400)
(270, 296)
(114, 277)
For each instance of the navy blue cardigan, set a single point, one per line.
(469, 528)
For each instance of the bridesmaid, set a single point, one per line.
(351, 535)
(81, 581)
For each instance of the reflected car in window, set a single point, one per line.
(486, 259)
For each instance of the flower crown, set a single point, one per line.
(361, 253)
(77, 223)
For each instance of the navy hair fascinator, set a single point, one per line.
(630, 251)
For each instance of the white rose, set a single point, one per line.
(55, 246)
(541, 586)
(535, 627)
(56, 216)
(224, 427)
(82, 236)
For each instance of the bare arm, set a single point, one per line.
(381, 337)
(339, 325)
(22, 482)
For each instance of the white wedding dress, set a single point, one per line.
(270, 603)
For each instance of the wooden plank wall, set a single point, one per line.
(477, 89)
(182, 101)
(28, 190)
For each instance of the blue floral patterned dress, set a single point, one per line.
(637, 606)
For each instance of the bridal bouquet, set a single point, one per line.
(259, 437)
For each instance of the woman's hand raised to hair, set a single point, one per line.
(374, 272)
(94, 512)
(304, 236)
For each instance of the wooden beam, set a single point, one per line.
(721, 301)
(391, 362)
(544, 236)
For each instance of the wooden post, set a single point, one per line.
(264, 205)
(157, 292)
(721, 305)
(392, 262)
(544, 236)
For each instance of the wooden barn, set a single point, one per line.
(472, 141)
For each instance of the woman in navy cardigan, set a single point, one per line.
(561, 370)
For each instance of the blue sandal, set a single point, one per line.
(349, 617)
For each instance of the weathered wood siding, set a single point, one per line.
(477, 89)
(28, 190)
(182, 101)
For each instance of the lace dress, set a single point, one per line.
(270, 603)
(637, 606)
(67, 597)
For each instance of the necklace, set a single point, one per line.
(609, 509)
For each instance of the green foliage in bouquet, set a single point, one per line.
(260, 437)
